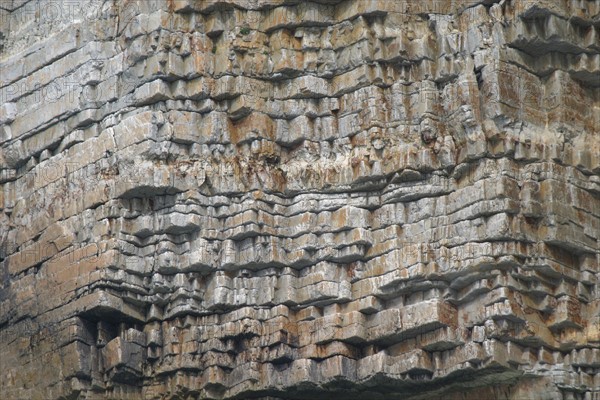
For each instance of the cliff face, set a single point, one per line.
(269, 198)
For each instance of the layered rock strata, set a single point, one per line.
(284, 199)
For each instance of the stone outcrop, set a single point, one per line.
(367, 199)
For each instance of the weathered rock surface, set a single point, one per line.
(368, 199)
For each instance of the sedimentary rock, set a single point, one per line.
(285, 199)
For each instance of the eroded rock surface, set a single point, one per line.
(367, 199)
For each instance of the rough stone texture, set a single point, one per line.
(367, 199)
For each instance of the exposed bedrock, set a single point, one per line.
(281, 199)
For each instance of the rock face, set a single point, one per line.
(367, 199)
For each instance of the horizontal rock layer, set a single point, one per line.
(284, 199)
